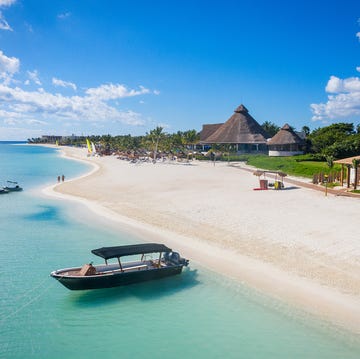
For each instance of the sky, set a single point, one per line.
(124, 67)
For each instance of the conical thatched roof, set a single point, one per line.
(208, 130)
(239, 128)
(286, 136)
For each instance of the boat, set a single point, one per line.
(144, 268)
(3, 191)
(12, 187)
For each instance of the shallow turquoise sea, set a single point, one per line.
(198, 314)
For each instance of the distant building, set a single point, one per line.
(59, 139)
(240, 131)
(286, 143)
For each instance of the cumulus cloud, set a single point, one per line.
(344, 98)
(344, 101)
(99, 106)
(337, 85)
(8, 67)
(40, 103)
(61, 83)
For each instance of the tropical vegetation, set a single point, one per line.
(323, 146)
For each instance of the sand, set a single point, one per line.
(295, 244)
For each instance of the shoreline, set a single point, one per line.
(270, 267)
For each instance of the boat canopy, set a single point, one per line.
(120, 251)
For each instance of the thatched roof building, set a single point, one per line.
(286, 143)
(208, 130)
(240, 130)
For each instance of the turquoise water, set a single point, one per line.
(196, 315)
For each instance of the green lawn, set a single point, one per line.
(301, 166)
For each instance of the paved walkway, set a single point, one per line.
(336, 192)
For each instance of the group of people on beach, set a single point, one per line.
(62, 178)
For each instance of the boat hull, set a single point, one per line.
(114, 279)
(13, 189)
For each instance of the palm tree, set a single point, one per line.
(189, 139)
(155, 136)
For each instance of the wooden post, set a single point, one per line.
(342, 175)
(356, 176)
(348, 177)
(326, 184)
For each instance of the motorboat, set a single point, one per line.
(12, 187)
(3, 191)
(152, 261)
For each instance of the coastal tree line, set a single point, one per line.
(327, 143)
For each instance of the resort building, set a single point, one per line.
(240, 131)
(286, 143)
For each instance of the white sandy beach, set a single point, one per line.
(295, 244)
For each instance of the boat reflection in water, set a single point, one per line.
(145, 268)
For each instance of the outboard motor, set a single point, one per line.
(176, 259)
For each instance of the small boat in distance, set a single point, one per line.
(144, 268)
(12, 187)
(3, 191)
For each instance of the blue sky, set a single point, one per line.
(119, 67)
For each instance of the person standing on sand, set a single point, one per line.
(63, 178)
(58, 178)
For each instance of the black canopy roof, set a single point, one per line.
(120, 251)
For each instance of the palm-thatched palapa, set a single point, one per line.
(352, 165)
(241, 131)
(286, 143)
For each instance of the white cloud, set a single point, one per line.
(8, 67)
(7, 2)
(336, 85)
(34, 77)
(59, 107)
(358, 35)
(61, 83)
(345, 101)
(98, 106)
(64, 15)
(36, 122)
(358, 69)
(4, 24)
(112, 92)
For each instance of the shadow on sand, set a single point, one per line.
(151, 290)
(289, 188)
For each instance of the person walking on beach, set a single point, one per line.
(63, 178)
(58, 178)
